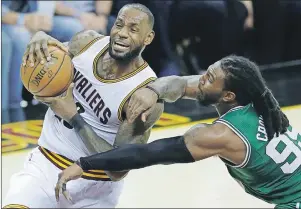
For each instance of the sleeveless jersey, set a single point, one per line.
(99, 101)
(271, 170)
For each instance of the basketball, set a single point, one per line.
(50, 79)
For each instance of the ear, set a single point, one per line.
(229, 96)
(150, 37)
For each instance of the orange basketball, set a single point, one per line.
(50, 79)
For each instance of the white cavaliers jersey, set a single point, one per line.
(100, 102)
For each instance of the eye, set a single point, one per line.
(210, 78)
(134, 30)
(119, 25)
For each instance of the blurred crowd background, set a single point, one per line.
(190, 35)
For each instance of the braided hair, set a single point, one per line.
(243, 77)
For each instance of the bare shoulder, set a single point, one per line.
(214, 134)
(207, 140)
(228, 135)
(81, 40)
(234, 148)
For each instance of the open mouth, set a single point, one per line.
(119, 46)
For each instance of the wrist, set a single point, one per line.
(74, 120)
(81, 162)
(154, 90)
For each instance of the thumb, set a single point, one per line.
(46, 100)
(58, 44)
(145, 115)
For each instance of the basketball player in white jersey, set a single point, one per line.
(108, 70)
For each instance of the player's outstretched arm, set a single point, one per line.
(170, 89)
(136, 133)
(200, 142)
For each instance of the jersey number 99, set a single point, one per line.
(290, 154)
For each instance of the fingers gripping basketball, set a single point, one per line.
(50, 79)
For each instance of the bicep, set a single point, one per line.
(191, 89)
(81, 40)
(204, 141)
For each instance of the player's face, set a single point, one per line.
(211, 86)
(130, 34)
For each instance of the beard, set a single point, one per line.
(127, 56)
(206, 99)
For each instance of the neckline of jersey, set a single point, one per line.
(233, 109)
(131, 74)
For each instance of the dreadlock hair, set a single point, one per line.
(244, 78)
(142, 8)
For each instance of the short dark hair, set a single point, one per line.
(243, 77)
(144, 9)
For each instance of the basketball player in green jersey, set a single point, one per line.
(252, 136)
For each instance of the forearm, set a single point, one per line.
(172, 88)
(169, 88)
(135, 156)
(93, 142)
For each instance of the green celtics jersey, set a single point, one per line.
(271, 170)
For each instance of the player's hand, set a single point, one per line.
(71, 173)
(39, 46)
(141, 103)
(63, 105)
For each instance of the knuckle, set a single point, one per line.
(44, 47)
